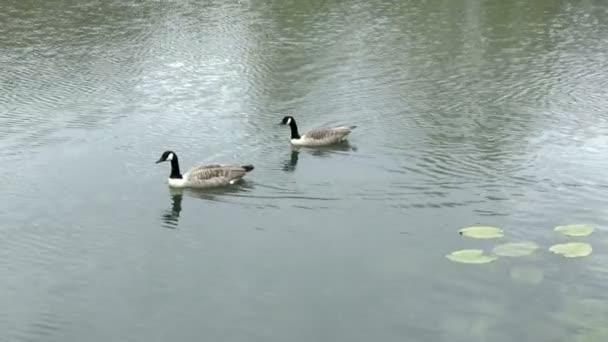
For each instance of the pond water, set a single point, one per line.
(468, 113)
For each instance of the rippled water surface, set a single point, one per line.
(468, 112)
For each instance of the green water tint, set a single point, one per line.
(481, 232)
(471, 256)
(575, 230)
(526, 275)
(572, 249)
(515, 249)
(586, 315)
(599, 334)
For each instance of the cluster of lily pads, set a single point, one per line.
(521, 248)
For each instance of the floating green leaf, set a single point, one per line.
(575, 229)
(481, 232)
(471, 256)
(572, 249)
(515, 249)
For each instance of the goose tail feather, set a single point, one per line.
(247, 168)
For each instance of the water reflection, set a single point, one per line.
(222, 194)
(325, 151)
(292, 161)
(171, 216)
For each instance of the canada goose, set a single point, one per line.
(318, 136)
(203, 176)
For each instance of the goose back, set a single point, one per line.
(325, 136)
(213, 175)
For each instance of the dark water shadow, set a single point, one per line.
(221, 194)
(326, 151)
(291, 163)
(170, 217)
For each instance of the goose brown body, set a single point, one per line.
(203, 176)
(316, 137)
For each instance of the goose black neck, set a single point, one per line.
(294, 129)
(175, 168)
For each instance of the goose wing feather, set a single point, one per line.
(215, 174)
(328, 134)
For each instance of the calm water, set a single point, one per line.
(469, 112)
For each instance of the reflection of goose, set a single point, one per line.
(343, 146)
(220, 194)
(171, 217)
(316, 137)
(290, 164)
(203, 176)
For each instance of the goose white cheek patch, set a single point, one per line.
(289, 121)
(170, 157)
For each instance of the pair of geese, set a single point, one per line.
(215, 175)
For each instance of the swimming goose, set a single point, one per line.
(316, 137)
(203, 176)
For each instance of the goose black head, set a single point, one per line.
(287, 120)
(170, 156)
(167, 156)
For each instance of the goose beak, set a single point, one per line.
(159, 161)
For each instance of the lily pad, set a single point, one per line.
(572, 249)
(481, 232)
(471, 256)
(575, 229)
(515, 249)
